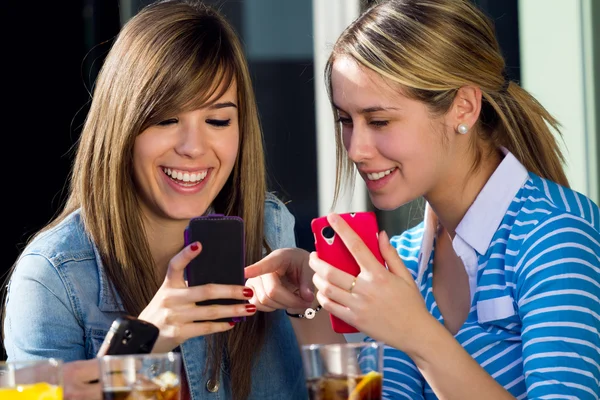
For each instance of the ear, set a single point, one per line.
(465, 108)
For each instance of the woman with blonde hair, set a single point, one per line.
(172, 133)
(495, 294)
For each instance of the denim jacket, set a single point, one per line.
(59, 304)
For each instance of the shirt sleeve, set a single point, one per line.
(558, 284)
(40, 321)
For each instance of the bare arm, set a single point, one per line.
(450, 371)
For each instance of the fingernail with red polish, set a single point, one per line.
(231, 323)
(247, 292)
(194, 247)
(250, 308)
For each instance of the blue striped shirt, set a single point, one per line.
(531, 250)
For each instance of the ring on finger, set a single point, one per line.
(352, 285)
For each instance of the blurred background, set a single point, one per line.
(54, 49)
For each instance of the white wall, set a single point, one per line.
(557, 68)
(330, 18)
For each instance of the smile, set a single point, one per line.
(185, 178)
(375, 176)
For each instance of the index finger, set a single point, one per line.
(355, 245)
(280, 259)
(265, 266)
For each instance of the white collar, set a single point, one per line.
(480, 223)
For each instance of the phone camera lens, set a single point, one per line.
(127, 334)
(328, 232)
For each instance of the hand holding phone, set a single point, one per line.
(222, 259)
(129, 335)
(331, 249)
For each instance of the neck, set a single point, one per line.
(453, 197)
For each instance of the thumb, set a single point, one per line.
(391, 257)
(176, 268)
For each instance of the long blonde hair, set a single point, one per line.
(171, 56)
(434, 47)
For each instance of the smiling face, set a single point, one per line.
(396, 144)
(182, 163)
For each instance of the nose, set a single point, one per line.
(192, 141)
(359, 143)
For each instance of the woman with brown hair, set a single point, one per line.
(172, 133)
(495, 294)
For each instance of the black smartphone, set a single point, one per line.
(222, 259)
(129, 335)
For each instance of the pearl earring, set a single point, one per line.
(463, 128)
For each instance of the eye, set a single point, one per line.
(219, 122)
(168, 122)
(379, 124)
(344, 120)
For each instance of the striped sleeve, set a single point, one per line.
(557, 293)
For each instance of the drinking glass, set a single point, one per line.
(348, 371)
(141, 376)
(31, 380)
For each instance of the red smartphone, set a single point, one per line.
(222, 259)
(331, 249)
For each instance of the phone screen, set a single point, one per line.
(222, 258)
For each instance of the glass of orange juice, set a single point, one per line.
(31, 380)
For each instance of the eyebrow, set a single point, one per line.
(218, 106)
(370, 110)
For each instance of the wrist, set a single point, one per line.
(306, 313)
(430, 336)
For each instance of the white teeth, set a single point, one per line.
(375, 176)
(187, 177)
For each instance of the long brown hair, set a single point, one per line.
(434, 47)
(172, 56)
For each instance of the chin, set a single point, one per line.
(186, 213)
(388, 203)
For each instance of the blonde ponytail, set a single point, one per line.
(524, 130)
